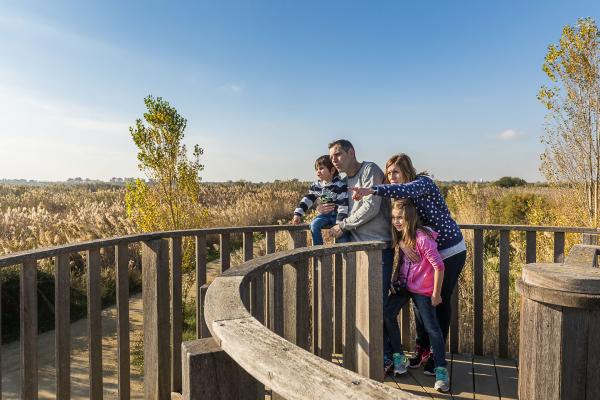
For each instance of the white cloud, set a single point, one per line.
(233, 88)
(509, 134)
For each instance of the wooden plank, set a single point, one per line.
(337, 303)
(478, 292)
(503, 321)
(407, 335)
(296, 304)
(369, 315)
(123, 362)
(203, 328)
(94, 309)
(62, 323)
(587, 238)
(325, 310)
(257, 298)
(427, 382)
(276, 300)
(270, 237)
(28, 325)
(531, 246)
(248, 246)
(559, 247)
(200, 280)
(454, 325)
(408, 383)
(575, 357)
(506, 372)
(155, 287)
(176, 313)
(225, 250)
(315, 305)
(461, 382)
(592, 370)
(349, 311)
(485, 383)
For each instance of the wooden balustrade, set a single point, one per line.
(279, 295)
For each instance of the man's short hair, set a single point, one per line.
(343, 143)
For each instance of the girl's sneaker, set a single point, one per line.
(388, 364)
(400, 363)
(442, 382)
(422, 354)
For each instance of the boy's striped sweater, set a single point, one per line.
(335, 192)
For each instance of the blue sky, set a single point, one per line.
(266, 85)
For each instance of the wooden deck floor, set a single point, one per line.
(470, 378)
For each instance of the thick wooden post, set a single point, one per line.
(155, 287)
(176, 313)
(369, 315)
(62, 322)
(349, 311)
(200, 281)
(478, 292)
(559, 247)
(296, 305)
(337, 303)
(94, 308)
(325, 309)
(503, 294)
(28, 305)
(123, 363)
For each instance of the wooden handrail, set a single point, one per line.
(289, 370)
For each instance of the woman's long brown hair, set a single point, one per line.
(404, 163)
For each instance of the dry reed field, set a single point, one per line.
(33, 217)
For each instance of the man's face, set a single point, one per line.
(341, 159)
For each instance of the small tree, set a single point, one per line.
(510, 181)
(572, 138)
(170, 200)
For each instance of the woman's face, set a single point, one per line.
(397, 219)
(394, 174)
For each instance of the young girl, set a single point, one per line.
(433, 211)
(329, 188)
(419, 274)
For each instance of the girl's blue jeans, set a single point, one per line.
(323, 221)
(391, 330)
(429, 319)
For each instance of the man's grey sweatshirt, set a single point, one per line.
(369, 217)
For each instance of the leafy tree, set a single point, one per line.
(510, 181)
(572, 138)
(170, 199)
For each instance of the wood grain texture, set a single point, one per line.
(484, 379)
(349, 311)
(504, 271)
(94, 309)
(559, 247)
(325, 308)
(176, 313)
(337, 303)
(123, 363)
(225, 250)
(28, 325)
(201, 254)
(478, 292)
(530, 246)
(62, 323)
(583, 255)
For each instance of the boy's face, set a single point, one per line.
(324, 173)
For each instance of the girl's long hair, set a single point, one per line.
(407, 236)
(404, 163)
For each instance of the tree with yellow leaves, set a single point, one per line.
(572, 137)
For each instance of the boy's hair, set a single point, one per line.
(325, 161)
(412, 223)
(404, 163)
(343, 143)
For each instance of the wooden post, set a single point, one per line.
(559, 247)
(296, 305)
(257, 298)
(369, 315)
(503, 294)
(337, 303)
(531, 247)
(325, 310)
(314, 346)
(123, 363)
(248, 246)
(201, 323)
(209, 373)
(176, 313)
(349, 310)
(225, 250)
(94, 309)
(200, 281)
(155, 287)
(28, 309)
(407, 335)
(478, 292)
(62, 322)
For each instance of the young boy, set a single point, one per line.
(330, 188)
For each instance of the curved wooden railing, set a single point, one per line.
(162, 258)
(287, 368)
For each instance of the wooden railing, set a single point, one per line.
(162, 297)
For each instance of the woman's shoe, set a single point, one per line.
(442, 382)
(422, 354)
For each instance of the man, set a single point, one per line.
(369, 217)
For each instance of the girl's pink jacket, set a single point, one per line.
(420, 274)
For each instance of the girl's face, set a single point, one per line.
(324, 173)
(394, 174)
(397, 219)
